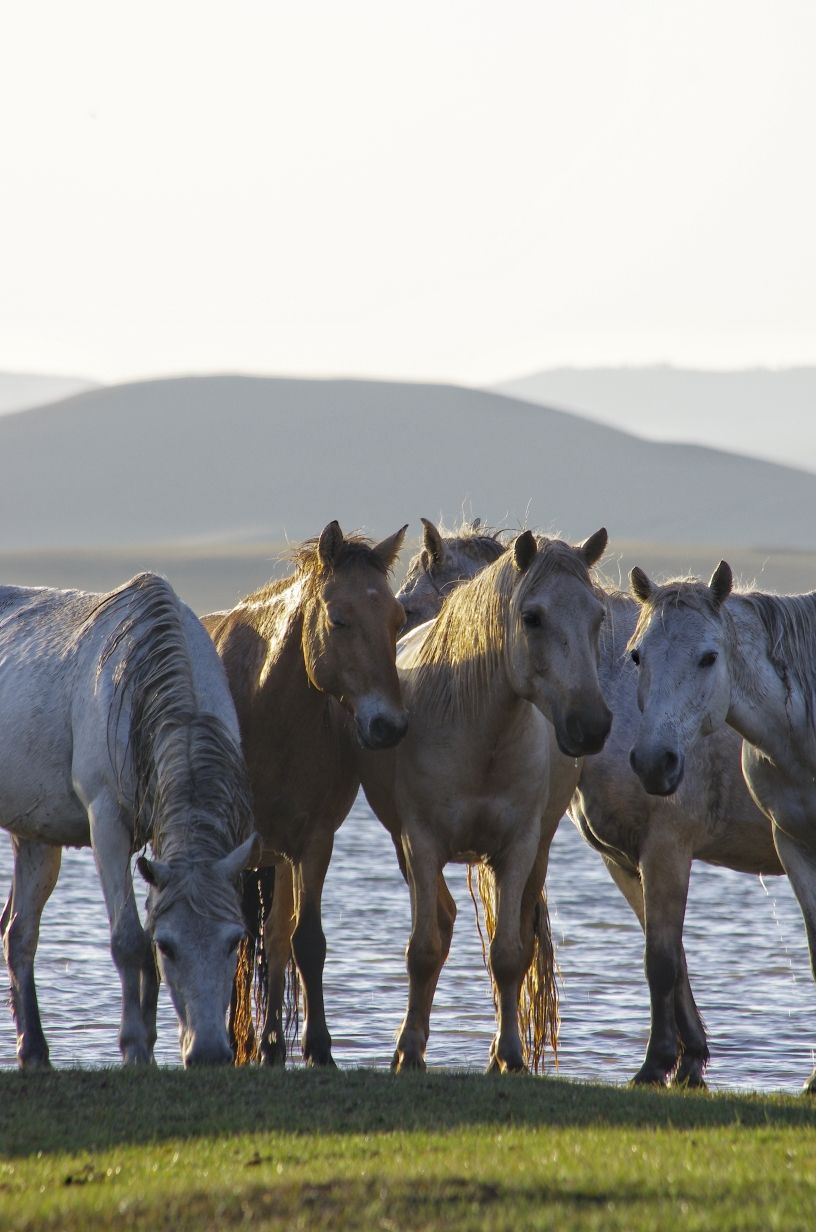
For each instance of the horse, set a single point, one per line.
(709, 656)
(504, 698)
(118, 731)
(310, 661)
(648, 844)
(445, 560)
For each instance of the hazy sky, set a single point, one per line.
(449, 190)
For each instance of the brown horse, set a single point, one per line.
(310, 661)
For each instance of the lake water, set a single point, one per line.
(745, 944)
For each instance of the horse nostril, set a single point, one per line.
(633, 760)
(670, 761)
(383, 731)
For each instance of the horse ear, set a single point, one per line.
(594, 547)
(475, 524)
(330, 543)
(247, 855)
(388, 549)
(155, 872)
(640, 586)
(524, 550)
(432, 540)
(721, 584)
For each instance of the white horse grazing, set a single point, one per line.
(117, 729)
(708, 656)
(504, 698)
(647, 843)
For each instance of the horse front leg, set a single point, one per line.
(309, 948)
(277, 939)
(510, 951)
(665, 871)
(130, 945)
(36, 869)
(799, 862)
(430, 918)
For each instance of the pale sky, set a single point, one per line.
(462, 191)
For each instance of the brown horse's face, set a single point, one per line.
(350, 631)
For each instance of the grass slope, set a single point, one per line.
(359, 1149)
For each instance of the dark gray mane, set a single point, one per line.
(789, 622)
(191, 794)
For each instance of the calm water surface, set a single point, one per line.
(745, 945)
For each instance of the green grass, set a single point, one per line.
(361, 1149)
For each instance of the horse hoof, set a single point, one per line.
(647, 1076)
(403, 1064)
(690, 1080)
(35, 1063)
(320, 1060)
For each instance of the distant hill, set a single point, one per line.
(770, 413)
(238, 459)
(21, 390)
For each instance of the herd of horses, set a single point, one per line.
(503, 686)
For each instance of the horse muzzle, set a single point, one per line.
(381, 730)
(197, 1052)
(580, 737)
(660, 771)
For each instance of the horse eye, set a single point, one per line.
(337, 622)
(166, 950)
(532, 620)
(708, 659)
(636, 658)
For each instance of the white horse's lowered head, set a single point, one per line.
(683, 647)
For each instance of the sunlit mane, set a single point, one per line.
(457, 665)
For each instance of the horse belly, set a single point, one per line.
(37, 799)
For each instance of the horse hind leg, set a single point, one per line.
(277, 937)
(36, 869)
(309, 949)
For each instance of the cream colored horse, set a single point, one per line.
(504, 698)
(707, 657)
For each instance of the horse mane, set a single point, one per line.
(311, 571)
(457, 664)
(191, 791)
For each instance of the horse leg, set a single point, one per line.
(309, 948)
(691, 1029)
(799, 862)
(511, 954)
(424, 952)
(277, 939)
(36, 869)
(665, 872)
(130, 945)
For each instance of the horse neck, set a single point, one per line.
(285, 695)
(768, 711)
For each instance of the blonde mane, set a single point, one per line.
(466, 649)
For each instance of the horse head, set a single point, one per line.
(444, 561)
(681, 649)
(195, 923)
(351, 622)
(555, 622)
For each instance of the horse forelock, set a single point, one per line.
(196, 884)
(463, 653)
(688, 592)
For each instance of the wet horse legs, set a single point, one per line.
(277, 939)
(309, 948)
(36, 868)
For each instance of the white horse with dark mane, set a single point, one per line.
(117, 730)
(708, 657)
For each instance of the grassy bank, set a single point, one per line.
(360, 1149)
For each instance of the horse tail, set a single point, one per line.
(538, 1001)
(249, 989)
(538, 1010)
